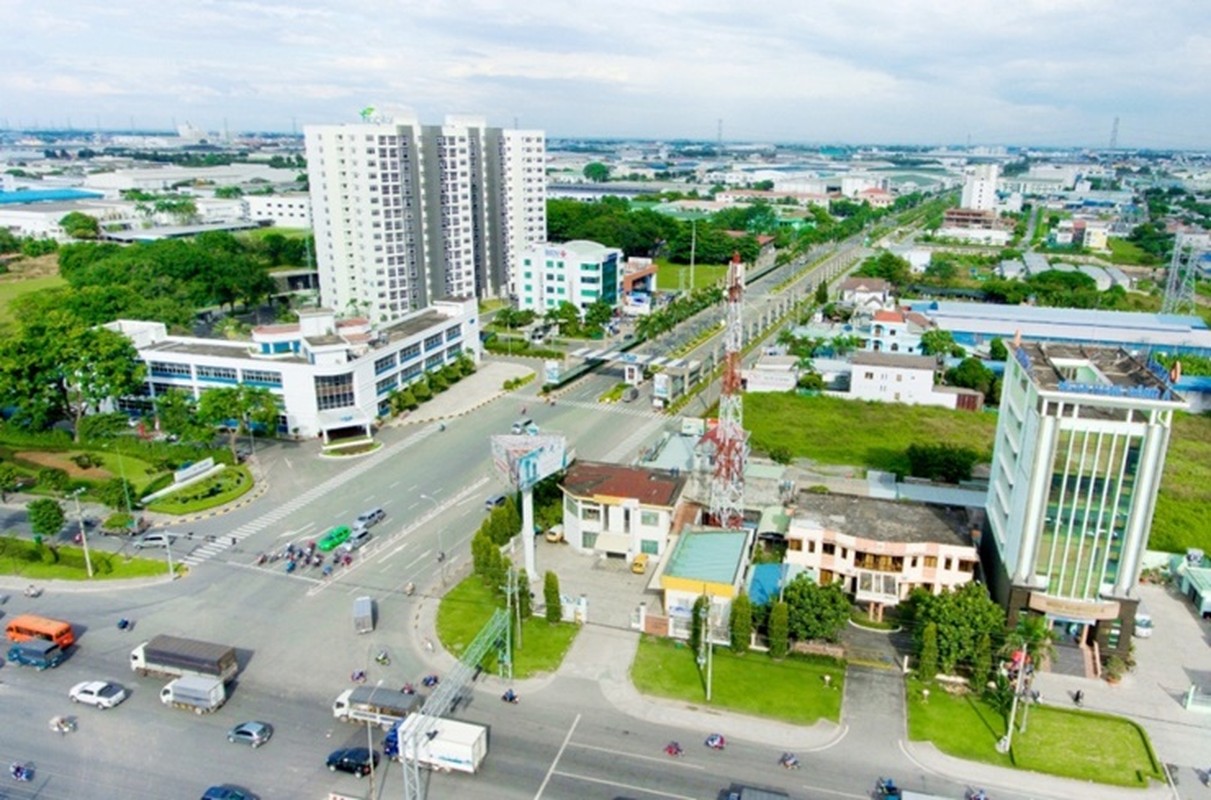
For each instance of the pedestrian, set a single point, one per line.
(1078, 696)
(234, 540)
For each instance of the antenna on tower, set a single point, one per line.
(1183, 273)
(1114, 135)
(726, 499)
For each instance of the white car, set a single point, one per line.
(101, 694)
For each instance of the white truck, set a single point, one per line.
(374, 704)
(195, 693)
(175, 657)
(440, 743)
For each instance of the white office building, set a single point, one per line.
(286, 210)
(980, 188)
(1077, 461)
(330, 375)
(577, 272)
(405, 213)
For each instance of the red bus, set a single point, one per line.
(32, 626)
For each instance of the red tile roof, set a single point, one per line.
(651, 487)
(888, 316)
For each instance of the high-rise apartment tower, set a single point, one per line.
(405, 213)
(980, 188)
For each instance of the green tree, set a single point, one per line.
(53, 478)
(1034, 635)
(740, 623)
(596, 172)
(943, 461)
(927, 661)
(46, 516)
(997, 350)
(525, 603)
(228, 192)
(822, 293)
(224, 408)
(816, 612)
(9, 478)
(421, 390)
(981, 663)
(117, 493)
(78, 225)
(779, 630)
(937, 342)
(972, 374)
(698, 614)
(550, 595)
(962, 617)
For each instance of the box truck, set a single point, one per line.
(174, 657)
(438, 743)
(374, 704)
(195, 693)
(363, 615)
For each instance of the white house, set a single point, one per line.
(895, 331)
(772, 374)
(578, 272)
(866, 294)
(292, 210)
(906, 379)
(327, 374)
(619, 510)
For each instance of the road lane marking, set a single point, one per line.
(558, 756)
(627, 786)
(368, 499)
(626, 754)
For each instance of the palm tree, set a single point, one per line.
(1035, 638)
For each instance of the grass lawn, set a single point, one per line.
(256, 234)
(1184, 499)
(23, 557)
(12, 289)
(467, 608)
(668, 276)
(1125, 252)
(751, 684)
(1068, 743)
(876, 435)
(231, 483)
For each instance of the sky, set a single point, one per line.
(1012, 72)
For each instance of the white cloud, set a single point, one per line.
(911, 70)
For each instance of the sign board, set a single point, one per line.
(552, 370)
(193, 470)
(693, 426)
(633, 374)
(661, 386)
(526, 460)
(1073, 609)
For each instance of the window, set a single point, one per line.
(433, 342)
(591, 513)
(411, 351)
(828, 548)
(334, 391)
(796, 545)
(217, 374)
(383, 364)
(262, 377)
(162, 369)
(649, 519)
(386, 385)
(931, 562)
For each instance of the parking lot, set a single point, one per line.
(612, 591)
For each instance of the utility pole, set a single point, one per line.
(88, 564)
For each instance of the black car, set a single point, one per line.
(354, 760)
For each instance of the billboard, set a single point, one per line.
(551, 371)
(661, 386)
(526, 460)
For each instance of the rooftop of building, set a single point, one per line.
(868, 284)
(871, 358)
(1083, 369)
(650, 487)
(714, 556)
(1143, 321)
(883, 520)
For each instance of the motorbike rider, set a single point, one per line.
(509, 696)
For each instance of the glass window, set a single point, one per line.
(262, 377)
(334, 391)
(591, 513)
(163, 369)
(649, 519)
(217, 374)
(383, 364)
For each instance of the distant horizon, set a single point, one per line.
(955, 146)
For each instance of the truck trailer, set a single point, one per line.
(175, 657)
(195, 693)
(374, 704)
(438, 743)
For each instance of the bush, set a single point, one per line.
(779, 630)
(550, 595)
(53, 478)
(781, 454)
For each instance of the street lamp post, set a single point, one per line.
(370, 748)
(88, 564)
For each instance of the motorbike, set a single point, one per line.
(976, 794)
(673, 749)
(62, 725)
(429, 681)
(261, 559)
(715, 741)
(32, 591)
(409, 588)
(789, 761)
(21, 772)
(125, 624)
(358, 676)
(289, 567)
(408, 688)
(886, 788)
(510, 696)
(382, 658)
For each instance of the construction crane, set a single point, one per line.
(729, 437)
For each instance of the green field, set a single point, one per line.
(752, 683)
(1057, 741)
(668, 277)
(12, 289)
(872, 435)
(256, 234)
(1125, 252)
(1184, 500)
(467, 608)
(31, 561)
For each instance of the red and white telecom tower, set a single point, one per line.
(729, 437)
